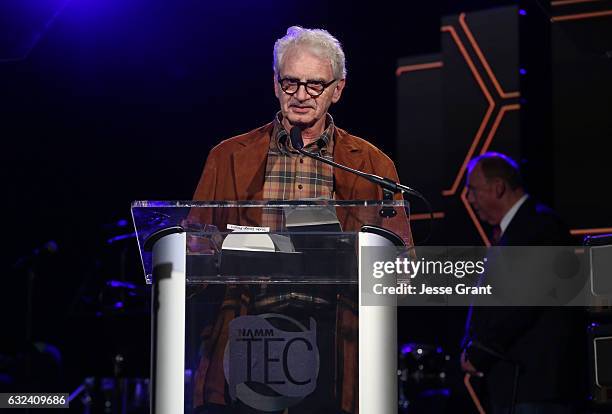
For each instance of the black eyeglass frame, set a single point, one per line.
(300, 83)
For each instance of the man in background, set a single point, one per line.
(545, 343)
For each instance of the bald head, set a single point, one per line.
(500, 166)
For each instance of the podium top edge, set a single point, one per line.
(264, 203)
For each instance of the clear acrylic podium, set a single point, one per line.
(256, 309)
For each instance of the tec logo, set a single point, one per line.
(271, 361)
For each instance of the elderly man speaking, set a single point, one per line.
(309, 76)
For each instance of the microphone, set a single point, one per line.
(387, 184)
(296, 138)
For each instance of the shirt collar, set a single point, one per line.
(505, 221)
(283, 144)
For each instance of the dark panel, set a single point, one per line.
(419, 130)
(495, 33)
(582, 125)
(506, 135)
(449, 114)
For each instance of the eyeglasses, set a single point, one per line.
(314, 88)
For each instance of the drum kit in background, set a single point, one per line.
(114, 351)
(110, 318)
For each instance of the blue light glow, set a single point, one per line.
(119, 284)
(444, 392)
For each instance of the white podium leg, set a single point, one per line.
(168, 325)
(377, 346)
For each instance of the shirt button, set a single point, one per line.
(301, 160)
(300, 186)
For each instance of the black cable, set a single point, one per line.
(431, 216)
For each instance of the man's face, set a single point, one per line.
(301, 109)
(482, 195)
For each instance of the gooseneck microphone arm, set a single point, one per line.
(389, 186)
(385, 183)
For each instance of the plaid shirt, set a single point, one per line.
(292, 176)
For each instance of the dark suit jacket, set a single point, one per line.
(545, 342)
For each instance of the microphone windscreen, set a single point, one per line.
(296, 138)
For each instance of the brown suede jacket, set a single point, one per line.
(235, 170)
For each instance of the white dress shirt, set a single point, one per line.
(505, 221)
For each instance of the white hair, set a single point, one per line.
(319, 41)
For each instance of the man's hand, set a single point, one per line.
(467, 366)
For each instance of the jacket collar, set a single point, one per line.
(347, 152)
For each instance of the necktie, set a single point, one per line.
(496, 235)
